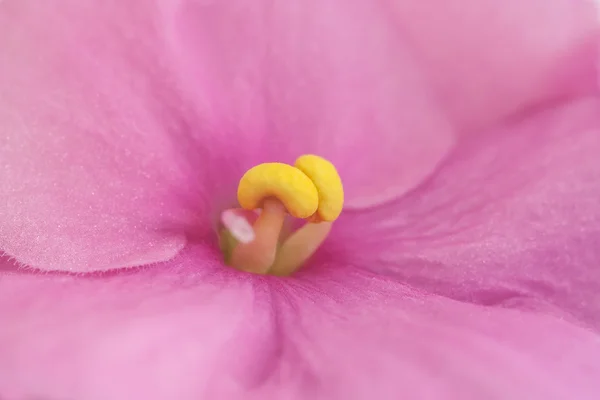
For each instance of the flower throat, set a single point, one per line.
(252, 236)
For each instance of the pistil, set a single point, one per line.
(259, 254)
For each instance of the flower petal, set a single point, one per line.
(114, 144)
(334, 78)
(512, 219)
(488, 59)
(91, 139)
(191, 329)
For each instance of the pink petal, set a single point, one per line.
(91, 163)
(191, 329)
(379, 121)
(124, 129)
(488, 59)
(512, 219)
(334, 78)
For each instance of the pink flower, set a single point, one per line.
(465, 264)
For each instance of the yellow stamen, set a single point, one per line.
(328, 183)
(288, 184)
(311, 190)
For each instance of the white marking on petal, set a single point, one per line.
(238, 226)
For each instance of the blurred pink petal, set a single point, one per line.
(489, 59)
(510, 220)
(190, 329)
(334, 78)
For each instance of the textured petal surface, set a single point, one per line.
(129, 125)
(512, 219)
(89, 128)
(191, 329)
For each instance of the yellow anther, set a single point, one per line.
(329, 185)
(288, 184)
(311, 190)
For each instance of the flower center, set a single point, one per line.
(252, 237)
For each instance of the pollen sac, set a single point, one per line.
(328, 183)
(288, 184)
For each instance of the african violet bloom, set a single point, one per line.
(465, 264)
